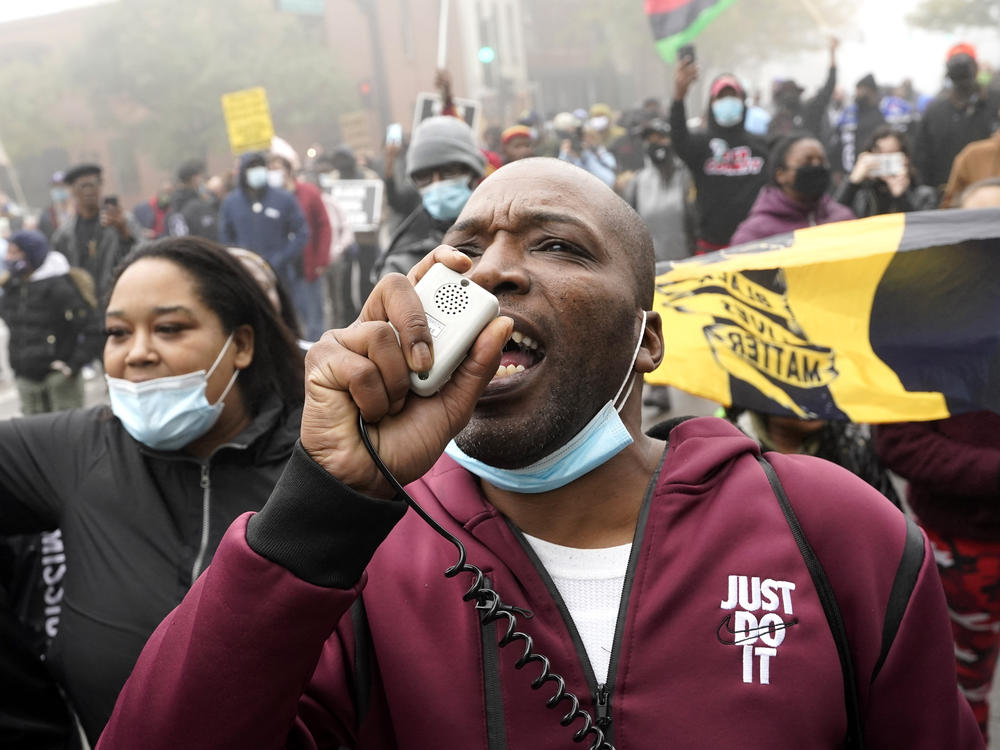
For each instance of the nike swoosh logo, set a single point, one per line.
(751, 634)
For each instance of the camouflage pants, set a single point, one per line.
(970, 574)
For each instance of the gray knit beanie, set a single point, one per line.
(443, 140)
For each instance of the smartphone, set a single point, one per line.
(686, 53)
(110, 200)
(394, 134)
(889, 165)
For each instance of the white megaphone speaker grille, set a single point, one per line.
(451, 299)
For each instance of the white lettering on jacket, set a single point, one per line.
(755, 622)
(53, 571)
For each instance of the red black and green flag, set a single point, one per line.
(677, 22)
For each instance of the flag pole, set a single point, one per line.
(442, 58)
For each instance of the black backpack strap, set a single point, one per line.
(902, 587)
(362, 659)
(855, 739)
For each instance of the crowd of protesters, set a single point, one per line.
(150, 295)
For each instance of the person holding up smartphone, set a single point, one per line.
(883, 180)
(726, 162)
(99, 233)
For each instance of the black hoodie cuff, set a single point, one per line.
(319, 528)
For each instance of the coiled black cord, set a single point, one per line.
(492, 608)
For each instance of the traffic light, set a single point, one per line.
(487, 54)
(365, 93)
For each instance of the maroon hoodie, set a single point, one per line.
(953, 468)
(257, 656)
(775, 213)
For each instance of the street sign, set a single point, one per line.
(248, 120)
(360, 200)
(429, 104)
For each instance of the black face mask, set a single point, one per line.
(961, 72)
(812, 180)
(659, 153)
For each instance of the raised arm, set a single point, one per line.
(39, 463)
(919, 452)
(686, 74)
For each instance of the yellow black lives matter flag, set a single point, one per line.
(892, 318)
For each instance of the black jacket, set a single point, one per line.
(729, 168)
(872, 198)
(416, 236)
(138, 525)
(190, 214)
(101, 260)
(945, 130)
(809, 116)
(48, 320)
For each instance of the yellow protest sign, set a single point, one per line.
(248, 120)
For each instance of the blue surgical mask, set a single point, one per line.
(168, 413)
(257, 177)
(59, 194)
(728, 111)
(603, 437)
(445, 199)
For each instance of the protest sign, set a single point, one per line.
(430, 104)
(248, 120)
(360, 200)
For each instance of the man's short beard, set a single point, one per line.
(500, 443)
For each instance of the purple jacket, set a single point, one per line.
(775, 213)
(953, 468)
(257, 657)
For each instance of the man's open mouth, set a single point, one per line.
(519, 354)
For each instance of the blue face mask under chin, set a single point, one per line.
(445, 199)
(168, 413)
(603, 437)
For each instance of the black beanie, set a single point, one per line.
(33, 244)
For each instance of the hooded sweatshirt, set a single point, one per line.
(269, 222)
(727, 165)
(326, 620)
(774, 212)
(953, 469)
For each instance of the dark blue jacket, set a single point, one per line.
(277, 231)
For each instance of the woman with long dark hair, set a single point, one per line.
(206, 388)
(884, 180)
